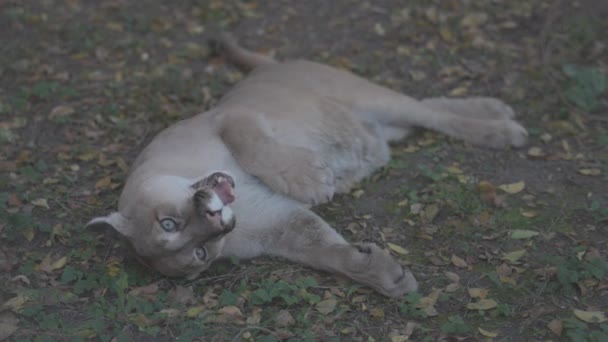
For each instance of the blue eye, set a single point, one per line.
(168, 224)
(201, 253)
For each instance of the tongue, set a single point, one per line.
(224, 192)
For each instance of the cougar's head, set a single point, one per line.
(174, 225)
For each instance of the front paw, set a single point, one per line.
(374, 267)
(505, 132)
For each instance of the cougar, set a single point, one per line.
(239, 179)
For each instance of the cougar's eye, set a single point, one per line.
(201, 253)
(168, 224)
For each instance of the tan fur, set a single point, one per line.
(291, 135)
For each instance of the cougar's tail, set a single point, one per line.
(228, 46)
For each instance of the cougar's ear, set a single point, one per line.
(115, 221)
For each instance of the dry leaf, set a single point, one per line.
(181, 296)
(482, 304)
(326, 306)
(514, 256)
(8, 325)
(474, 19)
(513, 188)
(590, 172)
(41, 202)
(377, 313)
(430, 212)
(590, 316)
(452, 276)
(15, 303)
(397, 249)
(476, 292)
(284, 319)
(556, 327)
(103, 183)
(518, 234)
(536, 152)
(458, 261)
(48, 266)
(255, 317)
(487, 333)
(61, 111)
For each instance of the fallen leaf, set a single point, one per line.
(146, 290)
(379, 29)
(458, 91)
(397, 249)
(195, 311)
(103, 183)
(430, 212)
(458, 261)
(513, 188)
(181, 296)
(8, 325)
(230, 314)
(514, 256)
(556, 326)
(474, 19)
(536, 152)
(487, 333)
(482, 304)
(15, 303)
(453, 287)
(590, 316)
(518, 234)
(61, 111)
(452, 276)
(41, 202)
(255, 317)
(284, 319)
(48, 266)
(326, 306)
(476, 292)
(590, 172)
(377, 313)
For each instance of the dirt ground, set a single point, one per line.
(508, 245)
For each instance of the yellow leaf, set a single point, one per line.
(48, 266)
(28, 233)
(402, 203)
(103, 183)
(590, 316)
(482, 304)
(487, 333)
(194, 311)
(357, 193)
(59, 263)
(458, 92)
(41, 202)
(514, 256)
(476, 292)
(513, 188)
(590, 172)
(397, 249)
(377, 312)
(15, 303)
(458, 261)
(379, 29)
(536, 152)
(326, 306)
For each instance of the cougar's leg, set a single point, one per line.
(305, 238)
(294, 171)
